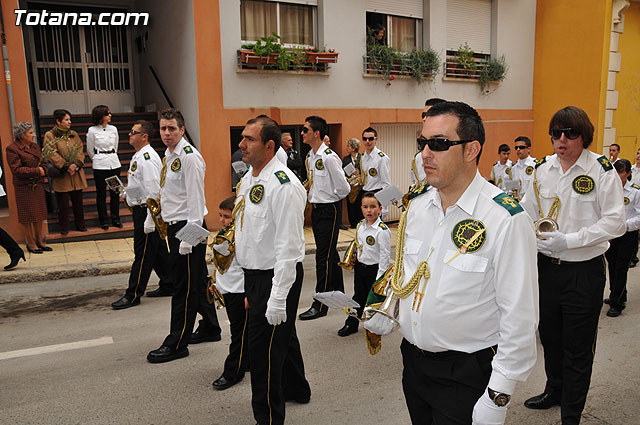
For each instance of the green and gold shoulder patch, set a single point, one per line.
(540, 161)
(635, 186)
(606, 164)
(282, 177)
(381, 154)
(419, 192)
(147, 156)
(188, 149)
(328, 151)
(508, 203)
(383, 226)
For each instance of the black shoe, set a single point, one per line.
(614, 312)
(45, 248)
(607, 301)
(348, 329)
(104, 226)
(14, 262)
(34, 251)
(223, 383)
(542, 401)
(160, 292)
(313, 313)
(343, 227)
(298, 399)
(64, 232)
(166, 354)
(199, 336)
(82, 229)
(117, 224)
(125, 302)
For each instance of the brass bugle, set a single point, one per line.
(161, 226)
(223, 262)
(350, 257)
(545, 225)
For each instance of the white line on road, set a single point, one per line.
(57, 347)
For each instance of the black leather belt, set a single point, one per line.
(448, 353)
(255, 272)
(325, 205)
(97, 151)
(558, 261)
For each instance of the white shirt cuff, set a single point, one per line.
(573, 241)
(500, 384)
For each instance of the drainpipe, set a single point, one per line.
(7, 72)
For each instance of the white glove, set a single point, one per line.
(185, 248)
(485, 412)
(379, 324)
(222, 248)
(149, 228)
(276, 311)
(553, 243)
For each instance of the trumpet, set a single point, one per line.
(350, 256)
(161, 225)
(545, 224)
(220, 261)
(213, 294)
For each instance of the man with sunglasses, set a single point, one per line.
(498, 171)
(522, 169)
(571, 264)
(376, 164)
(468, 321)
(329, 187)
(416, 173)
(143, 182)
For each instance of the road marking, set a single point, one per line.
(56, 348)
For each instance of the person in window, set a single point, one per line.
(377, 33)
(25, 161)
(102, 148)
(68, 158)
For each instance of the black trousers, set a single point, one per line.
(189, 277)
(570, 304)
(277, 368)
(238, 359)
(325, 223)
(99, 177)
(150, 253)
(10, 245)
(442, 388)
(63, 209)
(354, 211)
(363, 279)
(619, 256)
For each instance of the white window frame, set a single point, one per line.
(418, 26)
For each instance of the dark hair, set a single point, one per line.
(172, 113)
(503, 148)
(269, 131)
(370, 130)
(470, 125)
(59, 114)
(371, 195)
(616, 145)
(575, 118)
(228, 203)
(318, 124)
(524, 139)
(433, 101)
(146, 127)
(98, 113)
(623, 165)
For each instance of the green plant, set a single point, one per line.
(299, 58)
(266, 45)
(464, 58)
(495, 70)
(284, 60)
(424, 63)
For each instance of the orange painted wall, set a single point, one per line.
(570, 67)
(21, 103)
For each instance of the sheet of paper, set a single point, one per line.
(115, 183)
(511, 184)
(389, 194)
(335, 299)
(193, 234)
(239, 167)
(349, 169)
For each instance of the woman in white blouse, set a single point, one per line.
(102, 147)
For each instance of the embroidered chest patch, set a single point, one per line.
(583, 184)
(529, 170)
(370, 240)
(134, 166)
(626, 200)
(256, 194)
(373, 172)
(176, 165)
(463, 233)
(319, 164)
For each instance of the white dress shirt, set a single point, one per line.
(329, 182)
(635, 174)
(522, 171)
(269, 229)
(589, 220)
(377, 166)
(2, 192)
(182, 197)
(499, 175)
(281, 155)
(478, 299)
(375, 241)
(420, 179)
(144, 173)
(103, 139)
(232, 281)
(631, 192)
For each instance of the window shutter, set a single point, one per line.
(307, 2)
(469, 21)
(410, 8)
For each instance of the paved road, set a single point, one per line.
(114, 384)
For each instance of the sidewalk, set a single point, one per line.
(103, 257)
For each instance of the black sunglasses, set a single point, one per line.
(519, 147)
(134, 132)
(424, 114)
(569, 133)
(368, 139)
(305, 129)
(439, 144)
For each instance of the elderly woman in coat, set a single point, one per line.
(25, 161)
(68, 160)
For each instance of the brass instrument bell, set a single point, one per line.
(350, 256)
(161, 226)
(545, 224)
(220, 261)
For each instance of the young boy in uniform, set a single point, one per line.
(373, 242)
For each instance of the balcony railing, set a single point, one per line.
(453, 69)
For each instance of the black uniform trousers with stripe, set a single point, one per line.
(150, 254)
(8, 243)
(237, 361)
(189, 276)
(325, 223)
(570, 304)
(277, 368)
(619, 255)
(363, 279)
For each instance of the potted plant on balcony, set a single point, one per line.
(465, 62)
(386, 61)
(424, 63)
(263, 51)
(494, 71)
(323, 55)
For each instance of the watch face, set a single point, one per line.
(501, 400)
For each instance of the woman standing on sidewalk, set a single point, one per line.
(25, 161)
(69, 159)
(102, 148)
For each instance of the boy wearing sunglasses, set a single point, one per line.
(522, 169)
(571, 266)
(468, 321)
(376, 164)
